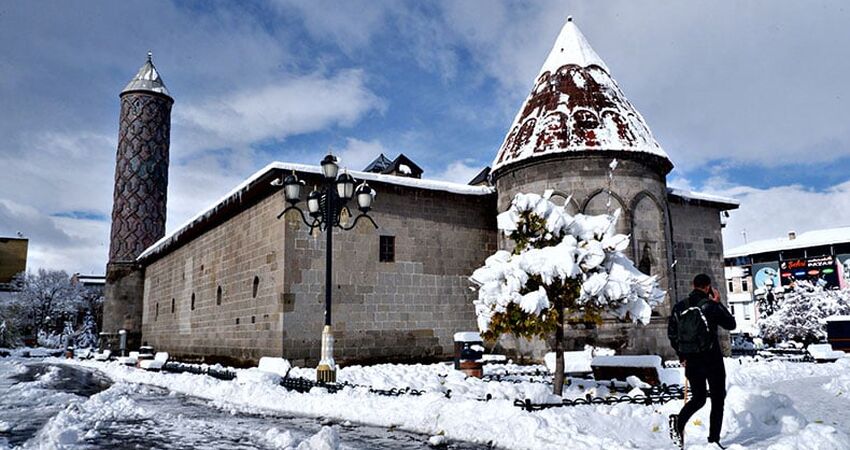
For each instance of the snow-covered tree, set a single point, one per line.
(562, 268)
(8, 335)
(47, 294)
(88, 337)
(8, 330)
(800, 313)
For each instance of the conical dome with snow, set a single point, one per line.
(575, 106)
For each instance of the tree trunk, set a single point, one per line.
(558, 382)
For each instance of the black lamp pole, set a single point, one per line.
(325, 208)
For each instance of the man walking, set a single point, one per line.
(692, 329)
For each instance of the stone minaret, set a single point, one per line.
(138, 209)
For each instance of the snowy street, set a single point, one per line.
(59, 406)
(57, 403)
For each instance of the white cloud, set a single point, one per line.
(462, 171)
(292, 106)
(772, 212)
(75, 245)
(67, 171)
(357, 154)
(350, 24)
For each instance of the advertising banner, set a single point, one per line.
(766, 275)
(844, 269)
(821, 269)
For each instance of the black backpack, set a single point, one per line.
(693, 330)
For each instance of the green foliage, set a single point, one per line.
(531, 233)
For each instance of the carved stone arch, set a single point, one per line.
(595, 203)
(649, 234)
(640, 195)
(573, 206)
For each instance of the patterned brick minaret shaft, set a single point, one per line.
(141, 175)
(141, 185)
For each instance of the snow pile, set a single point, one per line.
(802, 313)
(583, 247)
(754, 418)
(81, 421)
(761, 419)
(442, 379)
(577, 361)
(255, 375)
(279, 366)
(752, 372)
(839, 386)
(326, 439)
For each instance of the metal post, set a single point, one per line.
(326, 372)
(329, 220)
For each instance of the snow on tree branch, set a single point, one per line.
(801, 312)
(553, 249)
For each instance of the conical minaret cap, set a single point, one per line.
(575, 106)
(147, 79)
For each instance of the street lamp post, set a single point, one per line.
(325, 207)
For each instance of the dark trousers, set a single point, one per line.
(702, 369)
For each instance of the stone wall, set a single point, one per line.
(240, 322)
(639, 190)
(697, 248)
(408, 308)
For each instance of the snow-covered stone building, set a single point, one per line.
(236, 282)
(759, 270)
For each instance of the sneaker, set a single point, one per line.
(675, 435)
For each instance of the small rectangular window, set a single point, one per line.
(744, 285)
(731, 286)
(386, 252)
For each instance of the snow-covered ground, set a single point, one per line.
(765, 407)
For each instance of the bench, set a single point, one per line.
(130, 360)
(103, 356)
(156, 364)
(823, 353)
(646, 367)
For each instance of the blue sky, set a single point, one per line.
(747, 98)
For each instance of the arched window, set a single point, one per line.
(218, 296)
(645, 264)
(192, 304)
(256, 287)
(599, 204)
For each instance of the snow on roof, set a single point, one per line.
(575, 105)
(571, 47)
(691, 195)
(813, 238)
(838, 319)
(236, 193)
(733, 272)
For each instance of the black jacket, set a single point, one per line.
(715, 313)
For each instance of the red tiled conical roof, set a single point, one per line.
(575, 105)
